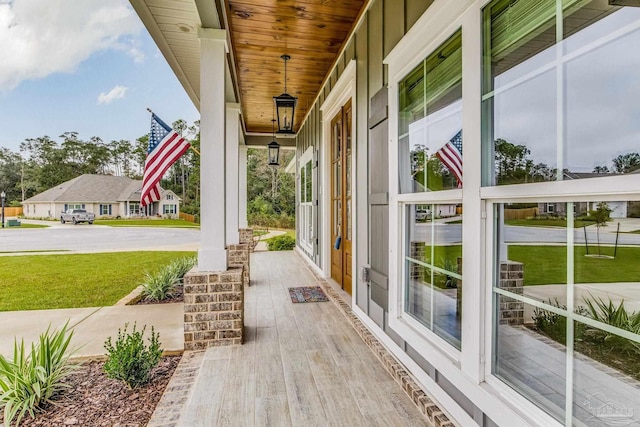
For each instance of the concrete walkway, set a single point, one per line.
(92, 326)
(262, 245)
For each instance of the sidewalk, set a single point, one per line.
(262, 245)
(92, 326)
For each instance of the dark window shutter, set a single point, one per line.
(83, 206)
(109, 209)
(66, 207)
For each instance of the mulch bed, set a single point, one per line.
(177, 296)
(95, 400)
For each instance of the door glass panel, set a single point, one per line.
(348, 177)
(336, 219)
(338, 179)
(349, 219)
(348, 129)
(337, 142)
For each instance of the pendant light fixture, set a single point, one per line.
(285, 105)
(274, 147)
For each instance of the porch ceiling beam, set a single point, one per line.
(262, 140)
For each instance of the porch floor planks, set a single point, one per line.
(301, 364)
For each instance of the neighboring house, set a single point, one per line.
(107, 196)
(558, 79)
(619, 209)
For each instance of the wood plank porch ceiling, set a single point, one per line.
(312, 32)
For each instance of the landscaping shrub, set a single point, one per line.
(28, 382)
(551, 324)
(616, 316)
(130, 360)
(181, 266)
(281, 243)
(161, 285)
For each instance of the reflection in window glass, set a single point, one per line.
(534, 86)
(434, 268)
(546, 253)
(430, 122)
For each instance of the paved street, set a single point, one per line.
(452, 234)
(95, 238)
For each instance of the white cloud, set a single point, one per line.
(42, 37)
(118, 92)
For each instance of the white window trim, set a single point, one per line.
(342, 91)
(306, 157)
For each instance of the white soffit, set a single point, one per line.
(173, 25)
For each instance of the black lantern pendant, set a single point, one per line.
(274, 148)
(285, 105)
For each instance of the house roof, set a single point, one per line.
(92, 189)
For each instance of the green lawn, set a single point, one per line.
(547, 264)
(35, 250)
(39, 282)
(146, 223)
(24, 225)
(547, 223)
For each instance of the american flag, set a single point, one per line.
(451, 156)
(165, 147)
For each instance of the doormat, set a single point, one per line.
(307, 294)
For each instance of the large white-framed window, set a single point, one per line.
(305, 192)
(560, 156)
(429, 201)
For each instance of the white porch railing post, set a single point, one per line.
(233, 141)
(213, 48)
(242, 187)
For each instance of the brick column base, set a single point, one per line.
(246, 238)
(512, 280)
(238, 257)
(213, 308)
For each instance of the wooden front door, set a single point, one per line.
(341, 197)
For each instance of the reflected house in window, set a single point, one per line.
(619, 209)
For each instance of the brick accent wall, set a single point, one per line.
(213, 308)
(238, 256)
(512, 280)
(246, 236)
(417, 252)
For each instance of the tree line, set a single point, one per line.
(42, 163)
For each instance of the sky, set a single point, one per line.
(81, 65)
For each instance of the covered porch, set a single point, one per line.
(309, 364)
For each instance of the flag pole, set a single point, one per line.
(190, 146)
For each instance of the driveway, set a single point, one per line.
(95, 238)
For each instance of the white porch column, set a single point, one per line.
(233, 141)
(213, 48)
(242, 187)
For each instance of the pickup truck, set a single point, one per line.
(76, 216)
